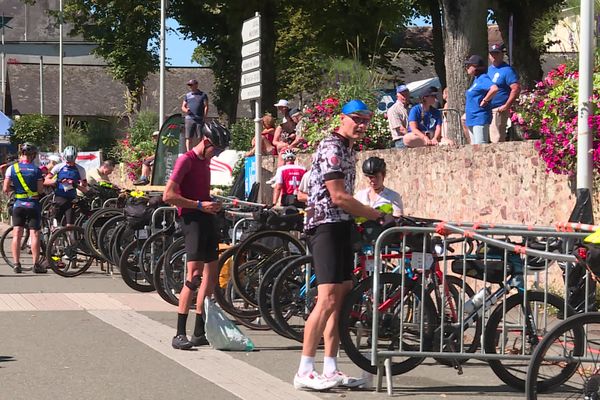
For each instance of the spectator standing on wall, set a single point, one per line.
(195, 110)
(397, 116)
(505, 77)
(424, 122)
(479, 95)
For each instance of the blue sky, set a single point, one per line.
(179, 50)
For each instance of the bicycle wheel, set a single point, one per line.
(253, 322)
(504, 335)
(574, 342)
(226, 296)
(6, 243)
(265, 289)
(130, 270)
(292, 299)
(175, 272)
(122, 236)
(155, 246)
(400, 324)
(454, 302)
(265, 248)
(93, 226)
(159, 281)
(105, 235)
(68, 254)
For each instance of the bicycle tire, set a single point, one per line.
(292, 299)
(64, 249)
(356, 316)
(253, 322)
(123, 236)
(277, 244)
(570, 337)
(222, 293)
(114, 253)
(508, 370)
(265, 290)
(159, 282)
(131, 273)
(6, 243)
(151, 250)
(105, 234)
(95, 223)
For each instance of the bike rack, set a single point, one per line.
(485, 234)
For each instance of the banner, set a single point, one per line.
(167, 149)
(89, 160)
(171, 143)
(250, 177)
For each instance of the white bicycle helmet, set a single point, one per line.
(70, 153)
(288, 155)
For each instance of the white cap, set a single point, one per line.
(282, 103)
(155, 133)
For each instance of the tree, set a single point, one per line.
(532, 19)
(126, 33)
(465, 23)
(34, 128)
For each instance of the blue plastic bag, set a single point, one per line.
(221, 333)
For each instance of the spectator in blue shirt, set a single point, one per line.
(478, 107)
(424, 122)
(507, 80)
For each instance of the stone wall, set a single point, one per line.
(496, 183)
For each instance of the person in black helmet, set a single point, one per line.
(188, 188)
(27, 180)
(377, 194)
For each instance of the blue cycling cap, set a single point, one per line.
(355, 107)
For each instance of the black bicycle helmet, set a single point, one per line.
(28, 148)
(217, 134)
(373, 165)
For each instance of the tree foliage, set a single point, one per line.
(34, 128)
(126, 33)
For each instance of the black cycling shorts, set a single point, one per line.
(201, 236)
(193, 129)
(64, 208)
(27, 217)
(331, 248)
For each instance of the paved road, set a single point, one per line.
(91, 337)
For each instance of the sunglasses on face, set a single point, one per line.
(216, 150)
(360, 120)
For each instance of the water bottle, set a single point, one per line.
(477, 300)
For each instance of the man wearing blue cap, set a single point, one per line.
(398, 116)
(329, 215)
(507, 80)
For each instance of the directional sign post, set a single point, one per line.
(250, 84)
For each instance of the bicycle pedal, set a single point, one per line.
(458, 367)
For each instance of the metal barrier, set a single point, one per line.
(491, 263)
(162, 211)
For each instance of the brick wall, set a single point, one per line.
(499, 183)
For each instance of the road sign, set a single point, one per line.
(250, 78)
(251, 29)
(251, 48)
(251, 63)
(250, 92)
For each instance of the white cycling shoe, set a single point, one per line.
(314, 381)
(344, 380)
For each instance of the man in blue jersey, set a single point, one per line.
(27, 180)
(69, 177)
(507, 80)
(195, 110)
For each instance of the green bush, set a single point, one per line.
(242, 133)
(74, 135)
(102, 133)
(145, 123)
(34, 128)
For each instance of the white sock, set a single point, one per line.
(329, 365)
(307, 365)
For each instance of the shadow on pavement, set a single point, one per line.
(500, 390)
(6, 359)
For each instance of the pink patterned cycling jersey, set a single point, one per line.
(192, 174)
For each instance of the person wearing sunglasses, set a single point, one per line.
(188, 188)
(424, 121)
(329, 215)
(478, 105)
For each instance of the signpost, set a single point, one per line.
(251, 83)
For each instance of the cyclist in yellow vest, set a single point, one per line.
(27, 180)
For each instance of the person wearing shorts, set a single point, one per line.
(195, 110)
(27, 180)
(188, 188)
(70, 176)
(329, 225)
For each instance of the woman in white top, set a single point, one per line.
(377, 194)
